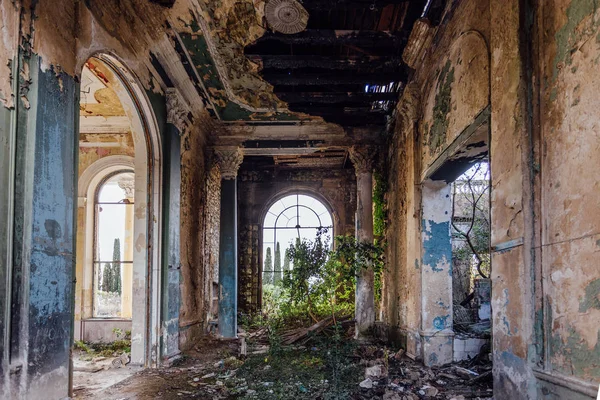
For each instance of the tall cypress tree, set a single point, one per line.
(116, 267)
(277, 265)
(268, 269)
(107, 278)
(286, 262)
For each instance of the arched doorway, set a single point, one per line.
(292, 217)
(118, 196)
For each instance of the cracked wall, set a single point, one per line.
(542, 83)
(55, 39)
(569, 145)
(448, 91)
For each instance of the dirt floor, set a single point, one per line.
(322, 368)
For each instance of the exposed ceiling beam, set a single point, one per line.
(372, 64)
(317, 79)
(333, 98)
(330, 4)
(371, 39)
(346, 116)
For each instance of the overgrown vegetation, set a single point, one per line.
(379, 224)
(110, 349)
(322, 281)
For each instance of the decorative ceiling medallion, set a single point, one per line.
(286, 16)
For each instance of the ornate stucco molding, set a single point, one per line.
(220, 65)
(362, 158)
(177, 110)
(286, 16)
(229, 160)
(128, 187)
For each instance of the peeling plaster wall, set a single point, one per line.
(543, 88)
(8, 69)
(569, 178)
(449, 89)
(258, 189)
(195, 271)
(455, 81)
(402, 280)
(55, 40)
(44, 242)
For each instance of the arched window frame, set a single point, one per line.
(95, 239)
(298, 226)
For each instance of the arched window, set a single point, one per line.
(113, 246)
(293, 217)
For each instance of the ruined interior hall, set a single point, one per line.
(300, 199)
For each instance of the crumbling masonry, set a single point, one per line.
(219, 108)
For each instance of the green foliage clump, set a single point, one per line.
(322, 281)
(379, 206)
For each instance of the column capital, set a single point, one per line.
(177, 110)
(128, 187)
(362, 157)
(229, 160)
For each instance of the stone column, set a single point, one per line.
(229, 160)
(178, 123)
(128, 187)
(362, 158)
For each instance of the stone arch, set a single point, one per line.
(147, 221)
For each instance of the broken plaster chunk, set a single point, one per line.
(366, 384)
(429, 391)
(376, 371)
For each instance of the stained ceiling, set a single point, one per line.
(344, 67)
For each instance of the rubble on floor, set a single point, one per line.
(324, 368)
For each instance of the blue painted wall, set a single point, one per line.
(44, 241)
(171, 248)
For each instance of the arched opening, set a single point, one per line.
(113, 247)
(118, 230)
(289, 219)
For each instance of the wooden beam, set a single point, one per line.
(333, 97)
(331, 78)
(324, 37)
(371, 64)
(332, 4)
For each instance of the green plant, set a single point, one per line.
(379, 205)
(323, 282)
(304, 281)
(81, 345)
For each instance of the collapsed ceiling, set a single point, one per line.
(346, 66)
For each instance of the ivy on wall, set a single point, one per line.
(379, 206)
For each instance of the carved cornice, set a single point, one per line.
(177, 110)
(418, 42)
(407, 110)
(362, 158)
(229, 160)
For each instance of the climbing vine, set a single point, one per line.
(379, 206)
